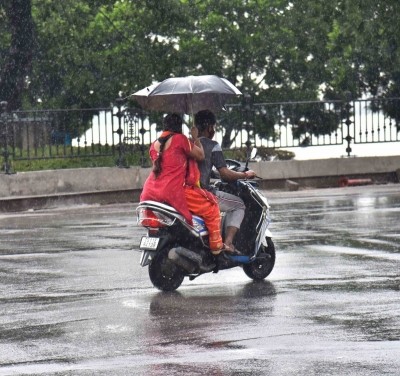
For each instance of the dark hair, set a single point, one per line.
(172, 123)
(203, 119)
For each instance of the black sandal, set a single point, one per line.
(231, 250)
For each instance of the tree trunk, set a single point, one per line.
(18, 62)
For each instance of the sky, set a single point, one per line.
(338, 151)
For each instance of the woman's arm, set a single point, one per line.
(197, 151)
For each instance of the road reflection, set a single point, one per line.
(177, 304)
(191, 319)
(75, 301)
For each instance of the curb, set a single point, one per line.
(25, 203)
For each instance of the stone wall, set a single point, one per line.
(26, 190)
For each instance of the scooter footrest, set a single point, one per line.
(240, 259)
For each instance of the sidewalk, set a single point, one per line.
(44, 189)
(106, 185)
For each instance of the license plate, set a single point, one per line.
(149, 243)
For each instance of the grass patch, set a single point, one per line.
(59, 157)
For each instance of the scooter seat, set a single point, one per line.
(160, 205)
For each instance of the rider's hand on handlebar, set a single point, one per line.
(250, 174)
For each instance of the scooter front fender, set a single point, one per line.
(267, 234)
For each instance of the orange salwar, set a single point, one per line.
(205, 205)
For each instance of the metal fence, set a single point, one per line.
(120, 131)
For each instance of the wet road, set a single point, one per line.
(74, 300)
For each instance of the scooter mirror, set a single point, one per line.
(253, 153)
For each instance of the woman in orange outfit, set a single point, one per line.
(170, 182)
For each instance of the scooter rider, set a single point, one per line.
(232, 205)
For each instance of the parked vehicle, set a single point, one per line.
(173, 249)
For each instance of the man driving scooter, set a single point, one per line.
(232, 205)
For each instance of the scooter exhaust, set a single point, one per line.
(191, 261)
(185, 258)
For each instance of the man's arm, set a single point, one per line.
(229, 175)
(218, 160)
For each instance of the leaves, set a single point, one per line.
(87, 53)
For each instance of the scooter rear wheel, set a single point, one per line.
(164, 274)
(262, 266)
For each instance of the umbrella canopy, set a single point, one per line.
(187, 94)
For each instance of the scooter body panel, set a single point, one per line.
(172, 235)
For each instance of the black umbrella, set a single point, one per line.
(187, 94)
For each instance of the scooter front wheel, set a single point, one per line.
(164, 274)
(262, 266)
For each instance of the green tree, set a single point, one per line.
(367, 33)
(236, 40)
(273, 50)
(91, 52)
(363, 45)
